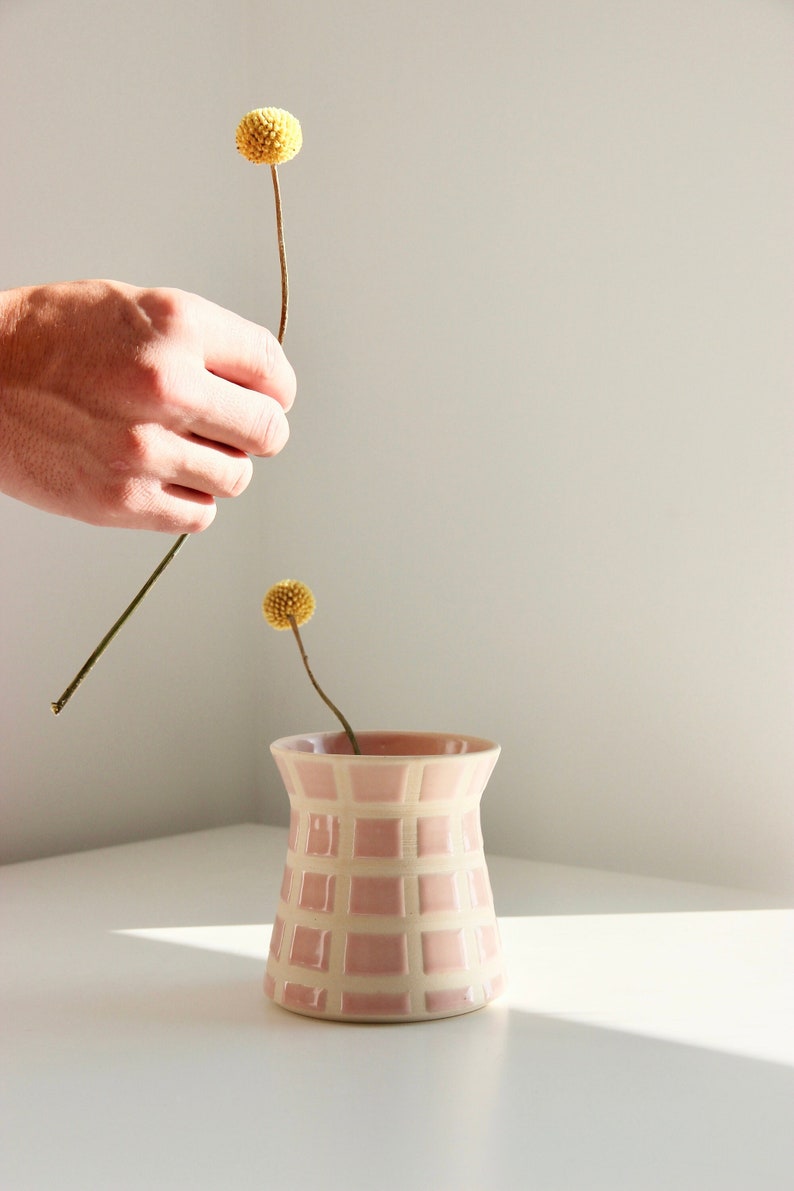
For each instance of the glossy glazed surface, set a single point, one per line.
(385, 911)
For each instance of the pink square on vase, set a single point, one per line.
(379, 783)
(376, 955)
(472, 835)
(480, 776)
(443, 950)
(323, 837)
(488, 943)
(441, 781)
(377, 837)
(317, 891)
(480, 888)
(377, 895)
(286, 883)
(311, 948)
(277, 936)
(316, 780)
(494, 988)
(372, 1004)
(434, 835)
(444, 999)
(438, 893)
(303, 996)
(294, 830)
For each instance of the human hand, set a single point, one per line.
(134, 407)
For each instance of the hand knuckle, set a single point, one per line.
(133, 450)
(166, 307)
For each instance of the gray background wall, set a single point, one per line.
(540, 469)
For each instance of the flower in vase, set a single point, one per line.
(287, 605)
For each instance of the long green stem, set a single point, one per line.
(59, 704)
(351, 736)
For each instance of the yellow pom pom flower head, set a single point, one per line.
(269, 136)
(287, 605)
(287, 599)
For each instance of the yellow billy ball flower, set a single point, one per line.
(269, 136)
(285, 599)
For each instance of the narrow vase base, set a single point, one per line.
(382, 1008)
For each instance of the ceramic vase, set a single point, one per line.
(385, 912)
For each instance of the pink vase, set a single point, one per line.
(386, 911)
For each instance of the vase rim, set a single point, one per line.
(384, 745)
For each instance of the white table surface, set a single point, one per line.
(646, 1041)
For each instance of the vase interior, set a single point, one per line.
(386, 744)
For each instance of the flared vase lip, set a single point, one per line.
(385, 744)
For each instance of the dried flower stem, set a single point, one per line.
(59, 704)
(88, 665)
(348, 730)
(282, 255)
